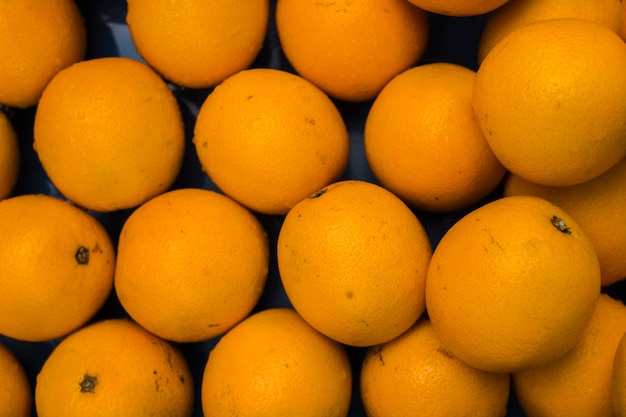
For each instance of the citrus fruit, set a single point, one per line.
(351, 49)
(274, 364)
(197, 44)
(38, 38)
(9, 157)
(512, 285)
(109, 133)
(56, 267)
(423, 143)
(551, 101)
(191, 263)
(413, 375)
(353, 259)
(580, 382)
(16, 399)
(268, 138)
(114, 368)
(622, 22)
(618, 380)
(518, 13)
(459, 7)
(598, 207)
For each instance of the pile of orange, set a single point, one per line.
(309, 208)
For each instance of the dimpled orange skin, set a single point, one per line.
(16, 399)
(459, 7)
(114, 368)
(9, 157)
(551, 101)
(351, 49)
(618, 378)
(198, 44)
(353, 259)
(109, 133)
(507, 290)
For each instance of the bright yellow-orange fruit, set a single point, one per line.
(269, 138)
(551, 101)
(580, 382)
(413, 375)
(56, 267)
(512, 285)
(351, 49)
(109, 133)
(422, 140)
(353, 259)
(114, 368)
(9, 157)
(459, 7)
(191, 263)
(38, 38)
(618, 382)
(195, 43)
(16, 397)
(274, 364)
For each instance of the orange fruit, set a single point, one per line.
(114, 368)
(351, 49)
(413, 375)
(512, 285)
(56, 267)
(38, 38)
(622, 22)
(459, 7)
(269, 138)
(618, 379)
(16, 399)
(191, 263)
(515, 14)
(197, 44)
(551, 101)
(578, 384)
(423, 143)
(109, 133)
(274, 364)
(9, 157)
(353, 259)
(598, 207)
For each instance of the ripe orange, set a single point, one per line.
(274, 364)
(598, 206)
(38, 38)
(459, 7)
(423, 143)
(114, 368)
(353, 259)
(198, 44)
(413, 375)
(512, 285)
(351, 49)
(9, 157)
(618, 381)
(578, 384)
(269, 138)
(622, 22)
(191, 263)
(551, 101)
(109, 133)
(56, 267)
(16, 399)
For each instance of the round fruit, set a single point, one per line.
(618, 383)
(459, 7)
(16, 399)
(9, 157)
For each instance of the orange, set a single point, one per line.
(518, 13)
(198, 44)
(459, 7)
(9, 157)
(598, 206)
(56, 267)
(413, 375)
(622, 22)
(38, 38)
(578, 384)
(114, 368)
(269, 138)
(512, 285)
(551, 101)
(274, 364)
(353, 259)
(422, 140)
(191, 263)
(618, 379)
(351, 49)
(16, 399)
(109, 133)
